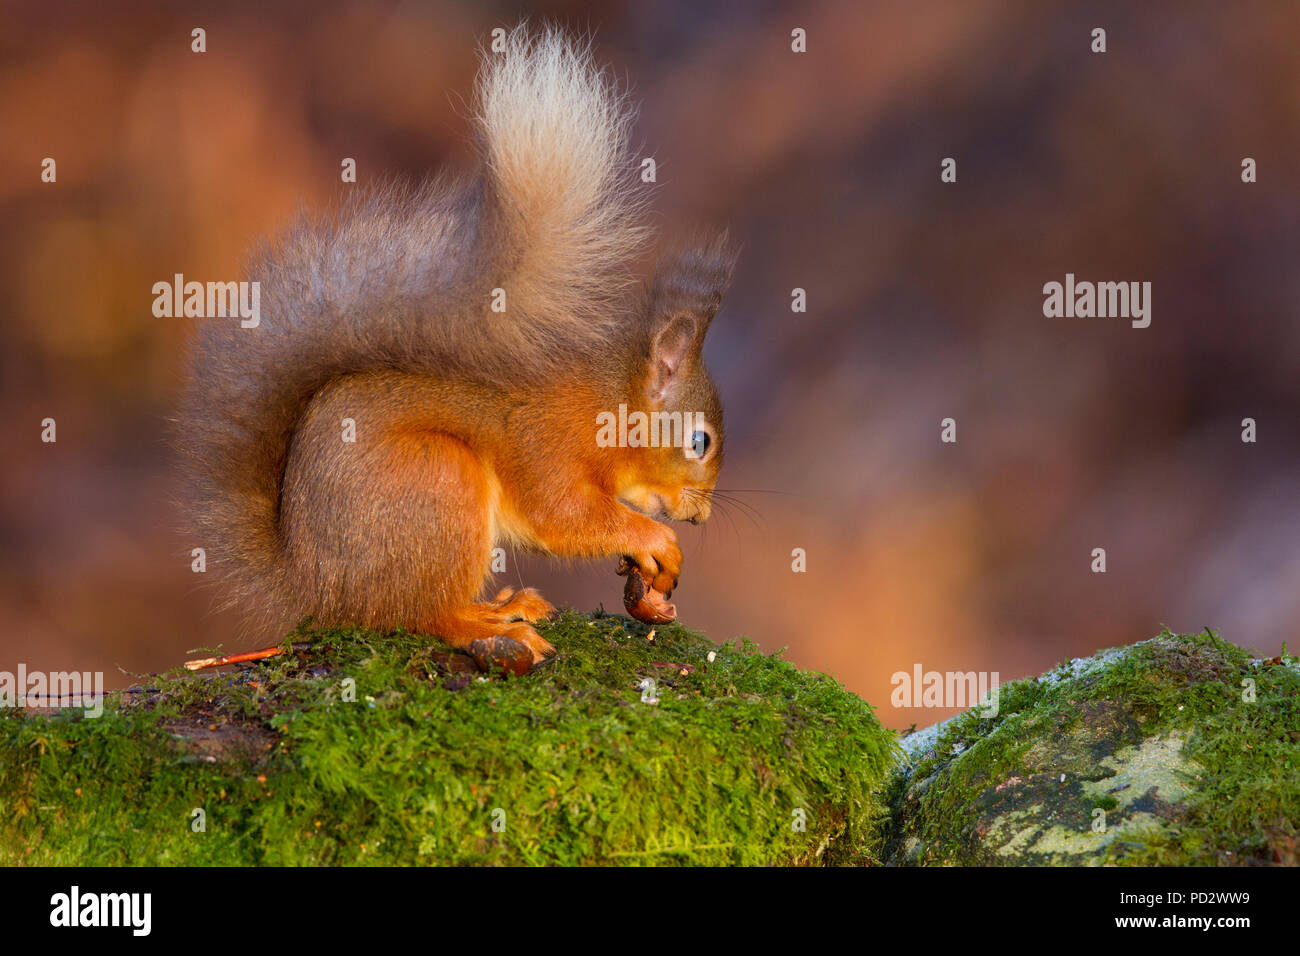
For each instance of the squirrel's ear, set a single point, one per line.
(674, 348)
(687, 291)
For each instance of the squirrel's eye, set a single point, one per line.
(700, 442)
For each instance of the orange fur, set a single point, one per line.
(472, 427)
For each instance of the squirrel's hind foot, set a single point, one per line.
(526, 604)
(487, 630)
(541, 648)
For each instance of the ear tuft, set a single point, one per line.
(692, 277)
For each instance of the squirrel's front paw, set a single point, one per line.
(660, 560)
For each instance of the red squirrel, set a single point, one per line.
(473, 330)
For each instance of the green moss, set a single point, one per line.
(569, 762)
(1144, 755)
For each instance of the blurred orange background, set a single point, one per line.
(924, 302)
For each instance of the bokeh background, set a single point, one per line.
(924, 301)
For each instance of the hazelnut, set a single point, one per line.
(642, 601)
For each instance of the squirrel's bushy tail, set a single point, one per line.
(404, 278)
(554, 132)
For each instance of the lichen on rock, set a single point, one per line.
(1179, 750)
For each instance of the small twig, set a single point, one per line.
(205, 662)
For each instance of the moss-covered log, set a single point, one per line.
(382, 749)
(372, 748)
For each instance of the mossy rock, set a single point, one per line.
(743, 760)
(1152, 754)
